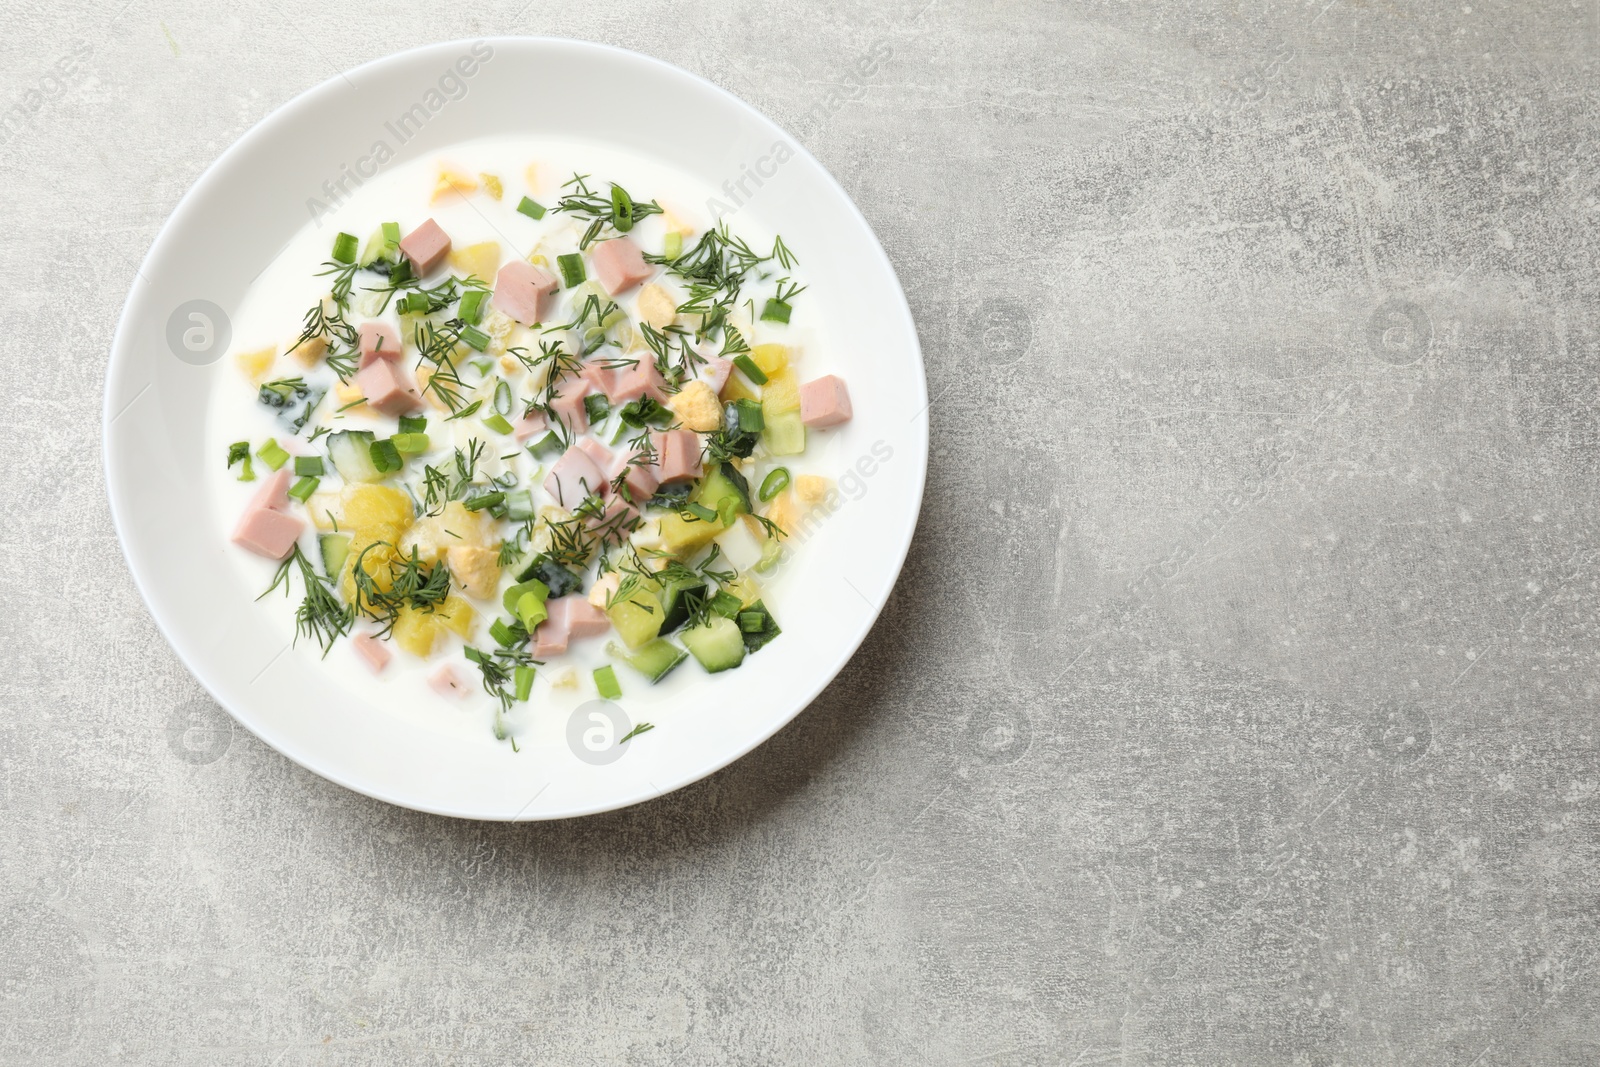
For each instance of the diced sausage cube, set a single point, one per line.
(274, 491)
(568, 405)
(677, 455)
(372, 651)
(529, 425)
(637, 380)
(268, 533)
(426, 246)
(447, 682)
(619, 264)
(388, 387)
(824, 402)
(377, 339)
(523, 291)
(573, 478)
(583, 618)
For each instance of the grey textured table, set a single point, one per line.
(1236, 705)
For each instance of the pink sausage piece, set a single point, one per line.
(603, 459)
(550, 637)
(388, 387)
(617, 521)
(583, 618)
(715, 373)
(824, 402)
(641, 480)
(523, 291)
(601, 379)
(274, 491)
(637, 380)
(568, 406)
(426, 246)
(618, 264)
(268, 533)
(677, 455)
(573, 478)
(375, 340)
(528, 426)
(447, 682)
(372, 651)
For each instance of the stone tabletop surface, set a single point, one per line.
(1236, 704)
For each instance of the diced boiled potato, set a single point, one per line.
(325, 508)
(786, 511)
(311, 351)
(481, 260)
(810, 489)
(770, 358)
(658, 306)
(372, 547)
(492, 185)
(682, 537)
(437, 534)
(781, 393)
(415, 631)
(456, 615)
(453, 181)
(697, 408)
(257, 362)
(565, 679)
(604, 586)
(350, 396)
(475, 569)
(735, 389)
(376, 505)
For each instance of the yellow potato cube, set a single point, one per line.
(735, 389)
(416, 630)
(325, 509)
(658, 306)
(476, 570)
(453, 181)
(349, 394)
(810, 489)
(456, 615)
(376, 505)
(491, 185)
(770, 358)
(481, 260)
(311, 352)
(256, 363)
(682, 537)
(697, 408)
(781, 393)
(373, 548)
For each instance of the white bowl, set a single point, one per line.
(245, 208)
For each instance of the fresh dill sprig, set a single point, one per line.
(644, 727)
(415, 584)
(344, 275)
(619, 210)
(320, 614)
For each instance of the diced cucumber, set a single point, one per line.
(756, 639)
(717, 645)
(351, 452)
(785, 434)
(677, 598)
(335, 550)
(722, 483)
(378, 247)
(684, 537)
(655, 660)
(637, 618)
(556, 578)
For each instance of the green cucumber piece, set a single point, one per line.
(724, 483)
(335, 550)
(677, 600)
(655, 660)
(717, 645)
(556, 578)
(351, 453)
(638, 618)
(755, 640)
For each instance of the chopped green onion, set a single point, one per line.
(346, 247)
(623, 430)
(247, 473)
(531, 208)
(522, 589)
(471, 311)
(749, 415)
(413, 423)
(239, 452)
(502, 634)
(474, 337)
(672, 245)
(752, 622)
(522, 679)
(774, 483)
(727, 510)
(482, 366)
(272, 454)
(497, 422)
(502, 398)
(775, 311)
(531, 611)
(605, 682)
(391, 232)
(751, 371)
(597, 407)
(308, 466)
(484, 500)
(544, 446)
(302, 489)
(572, 272)
(410, 444)
(701, 512)
(464, 412)
(385, 456)
(621, 209)
(726, 604)
(519, 505)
